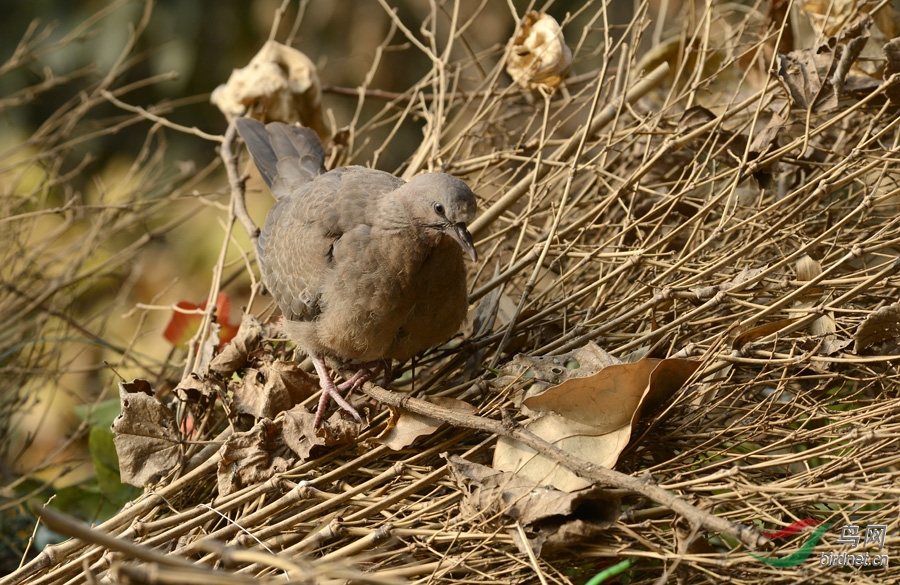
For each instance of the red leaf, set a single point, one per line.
(183, 326)
(227, 329)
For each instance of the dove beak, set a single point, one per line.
(462, 236)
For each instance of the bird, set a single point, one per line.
(365, 267)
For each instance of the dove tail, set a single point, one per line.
(276, 142)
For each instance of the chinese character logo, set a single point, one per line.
(874, 535)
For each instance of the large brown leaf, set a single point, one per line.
(592, 417)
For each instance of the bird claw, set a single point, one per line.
(362, 376)
(334, 394)
(331, 392)
(366, 372)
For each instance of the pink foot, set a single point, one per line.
(330, 391)
(361, 376)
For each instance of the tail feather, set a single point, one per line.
(279, 150)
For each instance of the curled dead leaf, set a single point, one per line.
(615, 395)
(234, 355)
(708, 292)
(880, 326)
(146, 435)
(755, 333)
(803, 74)
(252, 456)
(849, 22)
(891, 51)
(280, 84)
(809, 268)
(539, 55)
(541, 372)
(196, 388)
(734, 145)
(584, 441)
(274, 387)
(302, 436)
(818, 76)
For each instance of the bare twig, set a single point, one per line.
(748, 535)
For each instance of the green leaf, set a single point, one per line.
(99, 415)
(106, 466)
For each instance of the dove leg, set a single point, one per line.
(329, 391)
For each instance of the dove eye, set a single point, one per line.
(439, 209)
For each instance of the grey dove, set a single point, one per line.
(364, 266)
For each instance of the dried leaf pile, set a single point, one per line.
(718, 219)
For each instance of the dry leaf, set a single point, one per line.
(880, 326)
(552, 519)
(829, 16)
(584, 441)
(539, 55)
(195, 388)
(483, 319)
(846, 20)
(592, 417)
(615, 395)
(774, 16)
(808, 269)
(541, 372)
(732, 147)
(409, 426)
(849, 53)
(817, 76)
(804, 73)
(708, 292)
(301, 436)
(146, 435)
(832, 345)
(280, 84)
(234, 355)
(755, 333)
(891, 51)
(275, 387)
(764, 141)
(693, 118)
(251, 457)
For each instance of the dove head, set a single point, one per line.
(439, 204)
